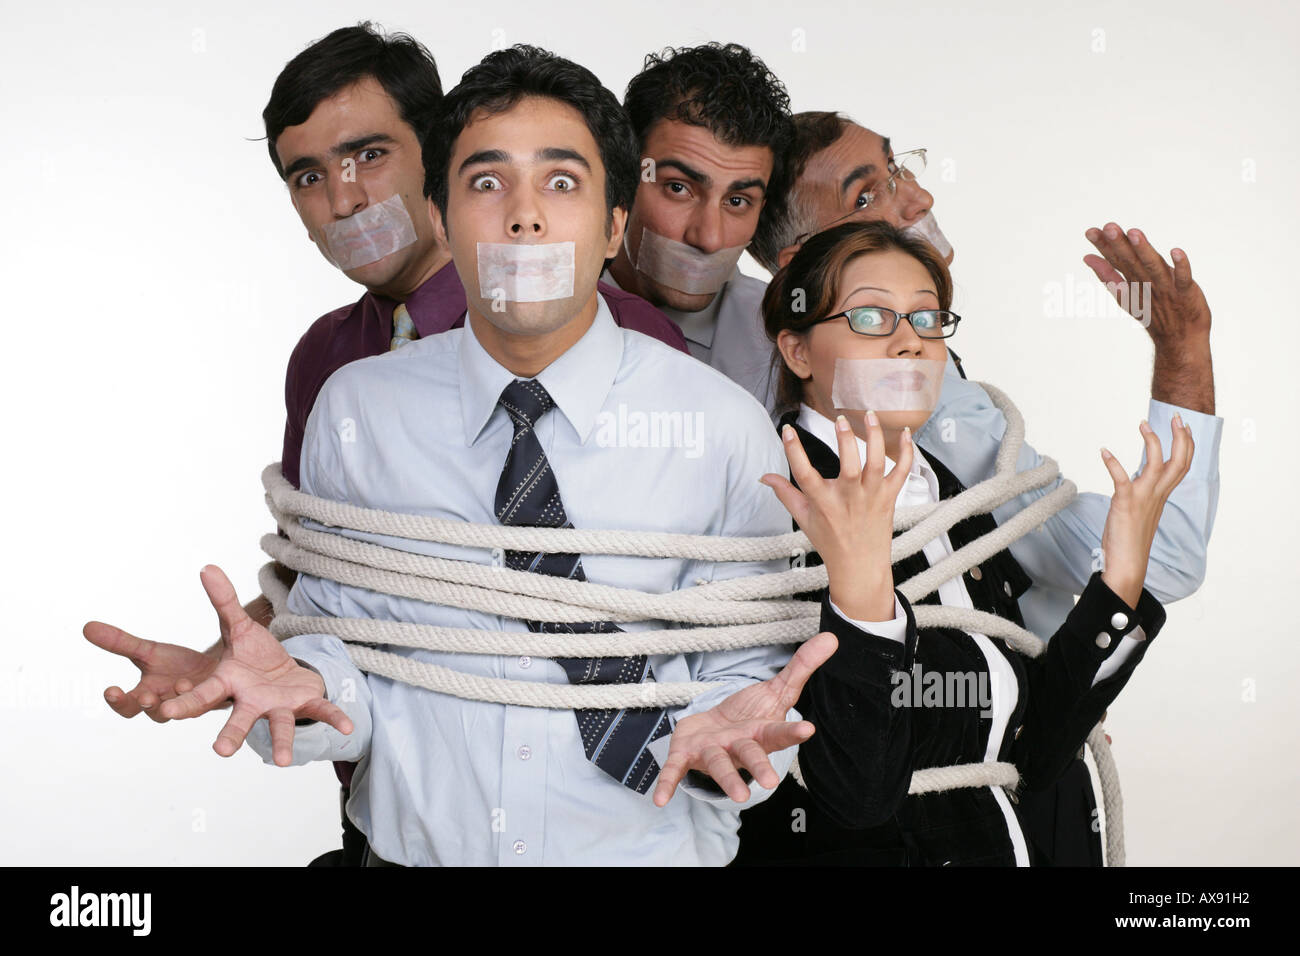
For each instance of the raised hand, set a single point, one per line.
(259, 676)
(1135, 509)
(849, 519)
(165, 669)
(1176, 308)
(743, 729)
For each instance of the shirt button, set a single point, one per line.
(524, 752)
(525, 662)
(1006, 588)
(1119, 620)
(1103, 640)
(976, 574)
(520, 847)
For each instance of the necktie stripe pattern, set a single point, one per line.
(403, 328)
(528, 494)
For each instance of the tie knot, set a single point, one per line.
(526, 401)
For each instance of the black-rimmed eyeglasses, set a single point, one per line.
(877, 321)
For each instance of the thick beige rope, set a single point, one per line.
(740, 612)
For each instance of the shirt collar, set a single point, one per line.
(579, 380)
(698, 327)
(434, 306)
(823, 429)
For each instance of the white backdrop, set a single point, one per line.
(155, 278)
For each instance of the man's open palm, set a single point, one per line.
(259, 676)
(743, 729)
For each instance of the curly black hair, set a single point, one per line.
(727, 90)
(503, 78)
(401, 64)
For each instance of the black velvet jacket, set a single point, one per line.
(860, 761)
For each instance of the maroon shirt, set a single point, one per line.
(365, 328)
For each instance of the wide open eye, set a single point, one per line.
(870, 320)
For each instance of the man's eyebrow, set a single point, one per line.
(342, 149)
(740, 185)
(352, 145)
(688, 171)
(858, 172)
(484, 156)
(553, 154)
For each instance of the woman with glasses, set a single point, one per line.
(859, 318)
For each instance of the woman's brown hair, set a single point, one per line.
(806, 290)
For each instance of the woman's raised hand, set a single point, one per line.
(849, 519)
(1135, 510)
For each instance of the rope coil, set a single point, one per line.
(750, 611)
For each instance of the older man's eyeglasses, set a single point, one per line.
(877, 321)
(906, 166)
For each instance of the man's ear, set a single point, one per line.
(617, 225)
(785, 255)
(794, 350)
(439, 223)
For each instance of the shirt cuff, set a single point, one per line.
(1207, 433)
(1124, 630)
(894, 630)
(1127, 645)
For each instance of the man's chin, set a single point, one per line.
(662, 296)
(530, 318)
(377, 274)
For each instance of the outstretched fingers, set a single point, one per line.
(1117, 473)
(812, 654)
(237, 729)
(670, 775)
(209, 694)
(850, 461)
(750, 755)
(791, 498)
(327, 713)
(224, 600)
(801, 468)
(1180, 457)
(1182, 270)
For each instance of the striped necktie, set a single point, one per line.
(527, 494)
(403, 328)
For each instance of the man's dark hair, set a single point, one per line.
(401, 65)
(728, 91)
(500, 81)
(813, 132)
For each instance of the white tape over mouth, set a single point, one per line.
(684, 268)
(927, 228)
(369, 235)
(887, 385)
(525, 273)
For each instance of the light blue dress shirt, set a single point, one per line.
(449, 781)
(965, 431)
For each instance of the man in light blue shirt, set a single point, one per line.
(520, 162)
(843, 171)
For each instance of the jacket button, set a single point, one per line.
(976, 574)
(1103, 640)
(1006, 587)
(1119, 620)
